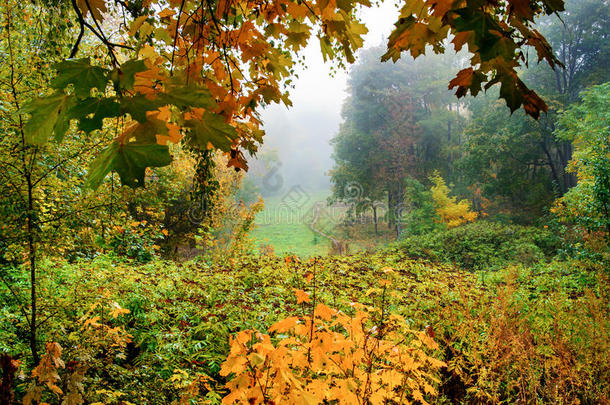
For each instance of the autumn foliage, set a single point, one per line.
(367, 357)
(452, 212)
(518, 334)
(96, 95)
(200, 72)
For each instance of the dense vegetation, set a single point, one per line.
(461, 256)
(402, 125)
(153, 333)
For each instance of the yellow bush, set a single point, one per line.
(452, 212)
(368, 357)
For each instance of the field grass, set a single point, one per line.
(284, 225)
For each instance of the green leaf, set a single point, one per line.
(478, 21)
(297, 35)
(146, 132)
(129, 160)
(127, 72)
(137, 106)
(211, 128)
(91, 112)
(326, 48)
(187, 96)
(81, 74)
(49, 116)
(510, 92)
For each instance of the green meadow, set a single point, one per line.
(284, 225)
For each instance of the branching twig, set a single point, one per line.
(100, 35)
(81, 24)
(176, 36)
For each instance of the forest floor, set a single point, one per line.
(152, 333)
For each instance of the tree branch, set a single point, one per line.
(100, 35)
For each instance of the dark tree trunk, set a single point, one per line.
(9, 368)
(551, 164)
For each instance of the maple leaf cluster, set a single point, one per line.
(332, 357)
(495, 33)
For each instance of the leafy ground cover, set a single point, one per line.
(159, 332)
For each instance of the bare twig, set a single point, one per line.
(100, 35)
(176, 36)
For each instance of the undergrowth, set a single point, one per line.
(120, 332)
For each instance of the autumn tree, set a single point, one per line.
(451, 211)
(39, 183)
(400, 122)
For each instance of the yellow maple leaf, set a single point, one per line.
(302, 296)
(136, 24)
(284, 325)
(234, 364)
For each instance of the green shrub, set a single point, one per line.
(483, 245)
(422, 218)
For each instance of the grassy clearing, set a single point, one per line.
(284, 225)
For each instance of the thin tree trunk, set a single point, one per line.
(552, 166)
(390, 209)
(32, 259)
(27, 173)
(375, 219)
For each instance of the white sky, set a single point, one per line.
(301, 134)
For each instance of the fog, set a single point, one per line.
(300, 134)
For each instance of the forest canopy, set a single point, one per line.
(197, 72)
(401, 123)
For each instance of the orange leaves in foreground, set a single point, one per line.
(46, 372)
(302, 296)
(332, 356)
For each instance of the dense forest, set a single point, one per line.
(151, 251)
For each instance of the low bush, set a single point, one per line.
(482, 245)
(364, 356)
